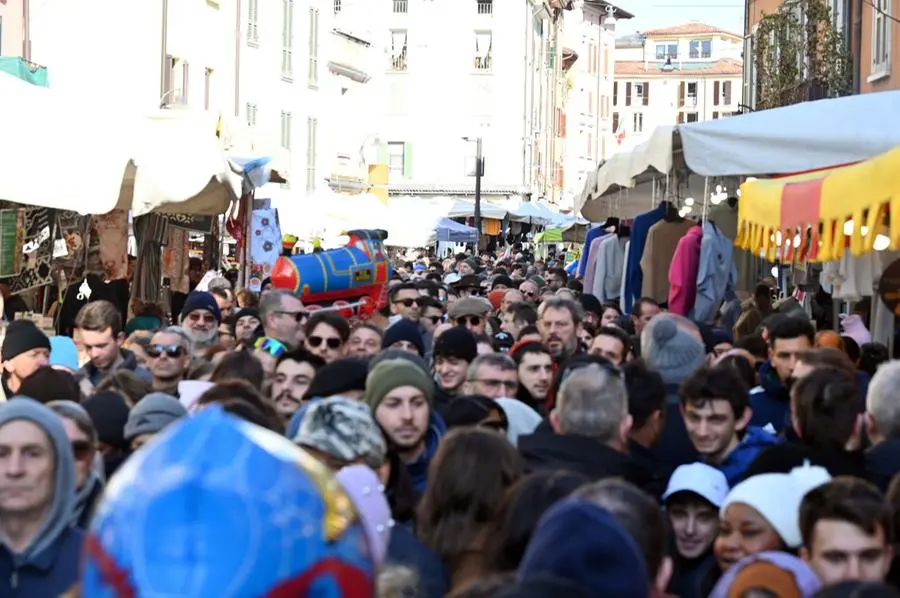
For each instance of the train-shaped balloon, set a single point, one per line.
(350, 277)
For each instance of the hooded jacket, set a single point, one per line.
(49, 565)
(738, 461)
(89, 376)
(770, 401)
(883, 462)
(418, 469)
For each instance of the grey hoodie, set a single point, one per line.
(21, 408)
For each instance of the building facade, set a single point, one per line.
(12, 28)
(673, 75)
(455, 71)
(587, 120)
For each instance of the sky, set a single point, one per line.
(652, 14)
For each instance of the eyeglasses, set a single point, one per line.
(409, 302)
(206, 317)
(331, 342)
(435, 319)
(528, 293)
(472, 320)
(171, 351)
(82, 449)
(271, 346)
(299, 316)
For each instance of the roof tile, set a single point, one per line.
(723, 66)
(692, 28)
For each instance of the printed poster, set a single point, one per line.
(265, 246)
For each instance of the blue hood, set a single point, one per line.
(22, 408)
(418, 469)
(755, 440)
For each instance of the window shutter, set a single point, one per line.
(681, 95)
(715, 115)
(716, 93)
(727, 93)
(646, 93)
(615, 122)
(628, 94)
(615, 93)
(681, 116)
(407, 160)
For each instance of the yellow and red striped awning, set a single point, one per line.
(815, 205)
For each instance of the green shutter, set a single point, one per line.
(407, 160)
(382, 153)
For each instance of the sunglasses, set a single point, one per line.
(420, 301)
(195, 317)
(171, 351)
(299, 316)
(472, 320)
(332, 343)
(82, 449)
(271, 346)
(435, 319)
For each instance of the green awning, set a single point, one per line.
(24, 70)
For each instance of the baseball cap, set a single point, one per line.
(701, 479)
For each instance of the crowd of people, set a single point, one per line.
(492, 431)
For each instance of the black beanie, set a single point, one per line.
(109, 412)
(457, 342)
(244, 311)
(22, 336)
(468, 410)
(341, 375)
(591, 304)
(404, 330)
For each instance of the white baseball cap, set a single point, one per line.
(701, 479)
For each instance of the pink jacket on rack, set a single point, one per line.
(683, 272)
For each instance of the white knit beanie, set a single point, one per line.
(777, 497)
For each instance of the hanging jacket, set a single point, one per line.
(590, 270)
(634, 277)
(683, 272)
(592, 234)
(608, 273)
(770, 401)
(716, 275)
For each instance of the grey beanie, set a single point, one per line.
(674, 353)
(153, 413)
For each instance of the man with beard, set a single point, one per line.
(200, 318)
(400, 395)
(293, 376)
(558, 322)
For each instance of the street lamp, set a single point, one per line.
(479, 172)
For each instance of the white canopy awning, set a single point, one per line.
(462, 208)
(796, 138)
(72, 153)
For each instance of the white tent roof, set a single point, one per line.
(796, 138)
(533, 212)
(69, 152)
(463, 208)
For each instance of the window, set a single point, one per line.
(337, 6)
(700, 48)
(691, 117)
(286, 124)
(483, 43)
(400, 6)
(838, 12)
(881, 37)
(615, 93)
(252, 22)
(185, 82)
(287, 38)
(207, 87)
(726, 93)
(398, 51)
(690, 95)
(396, 158)
(615, 122)
(169, 82)
(251, 111)
(715, 116)
(639, 93)
(664, 51)
(311, 126)
(638, 122)
(590, 102)
(313, 46)
(485, 7)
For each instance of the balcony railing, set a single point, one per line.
(401, 6)
(337, 6)
(398, 63)
(485, 7)
(482, 63)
